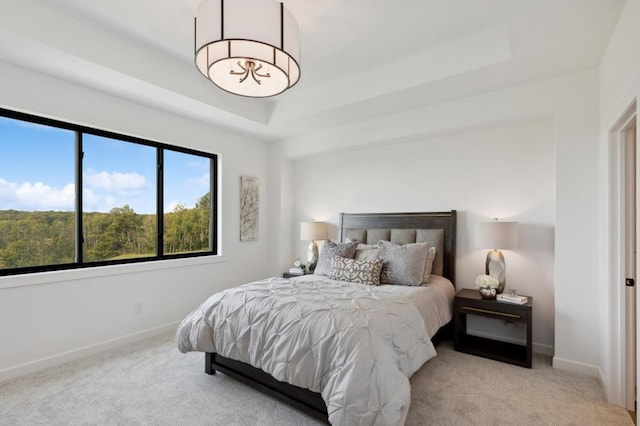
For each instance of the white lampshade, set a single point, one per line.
(247, 47)
(311, 231)
(497, 235)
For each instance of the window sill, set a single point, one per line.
(43, 278)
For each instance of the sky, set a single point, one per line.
(37, 172)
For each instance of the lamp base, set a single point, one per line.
(312, 257)
(495, 267)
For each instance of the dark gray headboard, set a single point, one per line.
(405, 225)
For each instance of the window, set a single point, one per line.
(118, 199)
(72, 196)
(37, 194)
(187, 204)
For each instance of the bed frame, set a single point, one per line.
(312, 402)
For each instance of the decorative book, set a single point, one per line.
(296, 271)
(520, 300)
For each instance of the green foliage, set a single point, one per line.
(35, 238)
(187, 230)
(48, 238)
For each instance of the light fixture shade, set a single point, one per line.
(247, 47)
(496, 235)
(311, 231)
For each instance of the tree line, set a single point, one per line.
(48, 237)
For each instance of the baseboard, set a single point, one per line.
(72, 355)
(603, 383)
(577, 367)
(538, 348)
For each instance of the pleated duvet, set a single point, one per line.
(356, 345)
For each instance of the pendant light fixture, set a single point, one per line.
(247, 47)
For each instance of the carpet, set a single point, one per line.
(151, 383)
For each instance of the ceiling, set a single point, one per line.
(360, 58)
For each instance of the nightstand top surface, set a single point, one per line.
(473, 294)
(292, 275)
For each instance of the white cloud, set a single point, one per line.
(36, 196)
(201, 182)
(6, 189)
(171, 206)
(115, 183)
(102, 191)
(97, 203)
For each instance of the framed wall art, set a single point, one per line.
(249, 208)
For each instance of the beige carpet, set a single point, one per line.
(151, 383)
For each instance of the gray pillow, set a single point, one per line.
(355, 271)
(428, 264)
(366, 252)
(330, 249)
(402, 264)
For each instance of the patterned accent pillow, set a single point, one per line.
(330, 249)
(402, 264)
(428, 264)
(356, 271)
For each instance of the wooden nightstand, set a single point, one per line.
(468, 301)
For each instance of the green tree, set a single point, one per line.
(187, 230)
(203, 217)
(48, 238)
(122, 235)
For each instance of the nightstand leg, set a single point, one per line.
(460, 328)
(529, 339)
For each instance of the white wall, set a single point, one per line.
(53, 317)
(280, 194)
(505, 172)
(571, 103)
(619, 75)
(620, 66)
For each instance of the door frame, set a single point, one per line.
(630, 156)
(618, 393)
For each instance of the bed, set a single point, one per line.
(301, 384)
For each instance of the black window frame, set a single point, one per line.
(160, 147)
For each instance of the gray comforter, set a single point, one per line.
(357, 345)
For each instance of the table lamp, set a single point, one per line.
(312, 231)
(496, 235)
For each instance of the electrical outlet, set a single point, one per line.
(137, 307)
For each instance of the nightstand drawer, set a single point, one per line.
(511, 313)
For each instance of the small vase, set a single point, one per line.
(487, 293)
